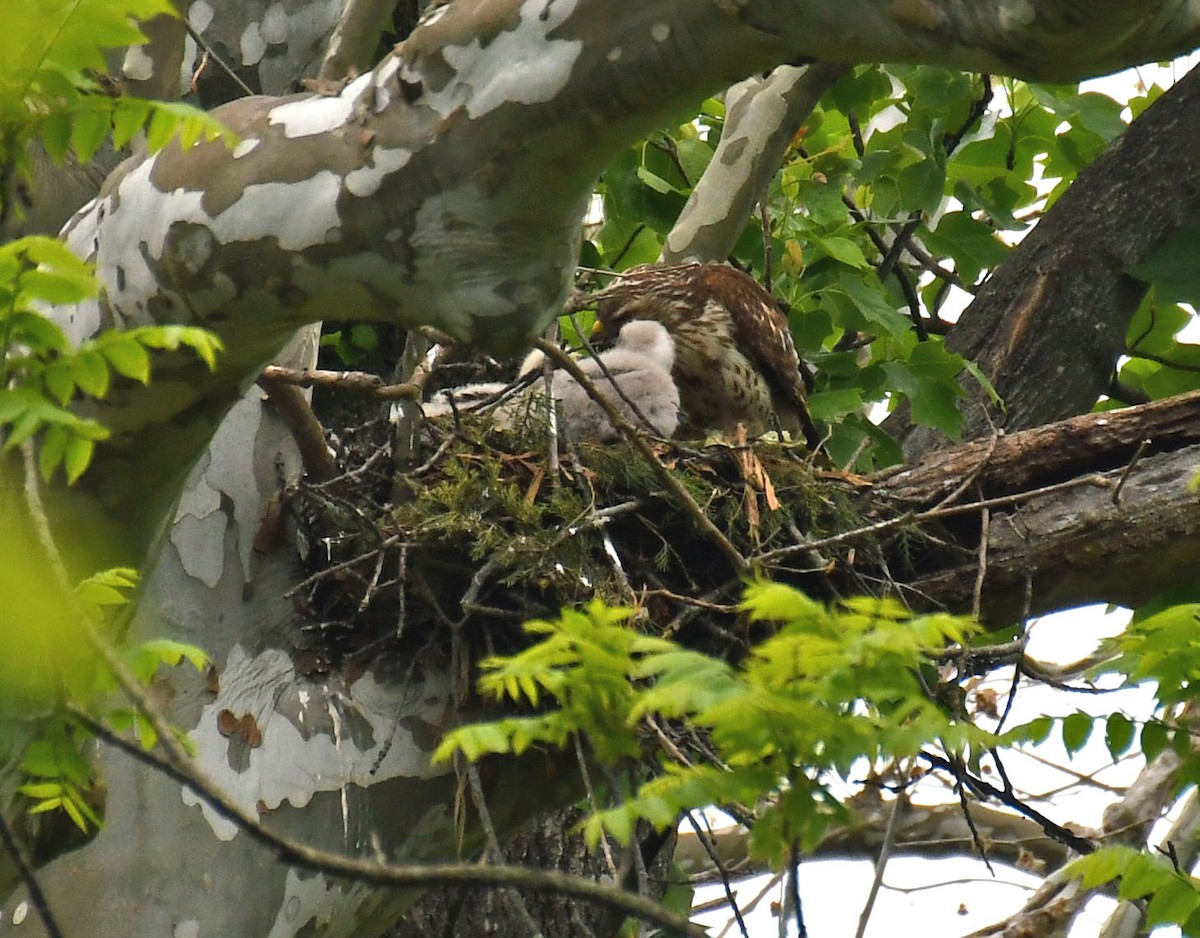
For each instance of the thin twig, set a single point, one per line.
(985, 525)
(478, 581)
(1023, 639)
(794, 891)
(222, 64)
(358, 383)
(29, 878)
(401, 591)
(705, 839)
(917, 517)
(960, 771)
(764, 214)
(295, 410)
(341, 565)
(885, 853)
(974, 474)
(60, 580)
(985, 789)
(1133, 461)
(552, 460)
(605, 846)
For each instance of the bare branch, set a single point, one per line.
(360, 383)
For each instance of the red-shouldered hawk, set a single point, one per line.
(735, 361)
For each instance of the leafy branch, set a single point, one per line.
(831, 686)
(51, 55)
(42, 375)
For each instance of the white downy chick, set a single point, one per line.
(639, 363)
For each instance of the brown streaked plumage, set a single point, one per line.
(735, 361)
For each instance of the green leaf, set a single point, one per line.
(657, 183)
(875, 310)
(1173, 903)
(840, 249)
(1102, 866)
(41, 789)
(162, 127)
(127, 357)
(128, 118)
(921, 186)
(1172, 268)
(474, 741)
(52, 450)
(59, 381)
(1035, 731)
(1153, 739)
(58, 286)
(172, 653)
(829, 405)
(91, 127)
(1118, 734)
(364, 337)
(1142, 875)
(973, 246)
(929, 379)
(32, 329)
(1076, 729)
(90, 372)
(55, 134)
(24, 427)
(77, 457)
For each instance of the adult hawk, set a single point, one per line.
(735, 362)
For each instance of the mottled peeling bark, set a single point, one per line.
(761, 120)
(444, 187)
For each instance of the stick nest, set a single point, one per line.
(486, 534)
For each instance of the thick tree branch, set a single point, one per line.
(761, 120)
(930, 831)
(352, 46)
(1017, 461)
(1077, 539)
(1047, 328)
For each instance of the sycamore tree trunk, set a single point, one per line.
(445, 187)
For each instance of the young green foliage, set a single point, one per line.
(50, 55)
(1174, 897)
(59, 776)
(42, 627)
(41, 375)
(830, 687)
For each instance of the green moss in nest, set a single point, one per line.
(486, 536)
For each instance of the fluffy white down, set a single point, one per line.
(639, 364)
